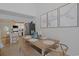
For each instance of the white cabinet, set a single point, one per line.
(14, 35)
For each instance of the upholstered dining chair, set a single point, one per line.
(60, 51)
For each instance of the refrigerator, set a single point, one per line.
(29, 28)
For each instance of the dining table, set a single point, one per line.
(42, 44)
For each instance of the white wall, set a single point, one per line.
(69, 36)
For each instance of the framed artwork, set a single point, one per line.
(52, 18)
(43, 21)
(68, 15)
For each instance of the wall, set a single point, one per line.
(69, 36)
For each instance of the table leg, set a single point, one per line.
(43, 50)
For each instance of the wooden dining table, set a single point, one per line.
(41, 44)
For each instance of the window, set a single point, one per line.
(44, 21)
(52, 19)
(68, 15)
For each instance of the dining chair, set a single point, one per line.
(60, 51)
